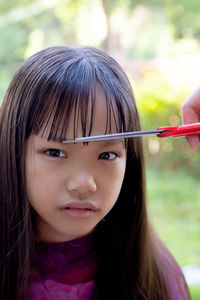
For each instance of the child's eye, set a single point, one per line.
(55, 153)
(108, 156)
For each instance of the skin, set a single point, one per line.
(58, 174)
(191, 114)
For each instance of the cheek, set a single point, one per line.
(40, 195)
(111, 183)
(39, 184)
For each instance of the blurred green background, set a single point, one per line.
(157, 43)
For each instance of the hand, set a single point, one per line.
(191, 114)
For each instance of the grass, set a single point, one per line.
(174, 203)
(195, 292)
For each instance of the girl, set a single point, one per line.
(73, 219)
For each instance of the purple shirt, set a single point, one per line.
(66, 271)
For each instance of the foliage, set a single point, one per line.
(184, 17)
(159, 104)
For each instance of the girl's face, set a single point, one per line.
(71, 186)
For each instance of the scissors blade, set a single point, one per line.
(115, 136)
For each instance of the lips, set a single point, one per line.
(82, 205)
(79, 209)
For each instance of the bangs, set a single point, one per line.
(68, 92)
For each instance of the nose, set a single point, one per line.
(81, 184)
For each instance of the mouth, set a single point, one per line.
(80, 204)
(79, 209)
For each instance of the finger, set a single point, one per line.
(189, 116)
(191, 107)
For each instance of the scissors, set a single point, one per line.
(165, 131)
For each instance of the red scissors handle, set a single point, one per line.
(183, 130)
